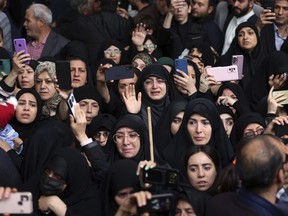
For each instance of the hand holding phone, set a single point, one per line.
(20, 45)
(17, 203)
(71, 101)
(182, 65)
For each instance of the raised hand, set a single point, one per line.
(133, 104)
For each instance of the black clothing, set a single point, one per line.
(179, 37)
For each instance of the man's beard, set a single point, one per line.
(241, 13)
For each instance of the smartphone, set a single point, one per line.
(226, 73)
(17, 203)
(19, 45)
(161, 176)
(159, 203)
(285, 92)
(181, 64)
(281, 130)
(268, 4)
(71, 101)
(119, 72)
(63, 74)
(239, 61)
(5, 66)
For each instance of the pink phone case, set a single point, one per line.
(17, 203)
(227, 73)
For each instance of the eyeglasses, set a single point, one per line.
(150, 82)
(105, 134)
(109, 52)
(252, 133)
(141, 66)
(151, 46)
(131, 136)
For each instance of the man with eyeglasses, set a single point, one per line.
(260, 168)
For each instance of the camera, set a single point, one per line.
(161, 176)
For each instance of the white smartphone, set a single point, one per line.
(17, 203)
(71, 101)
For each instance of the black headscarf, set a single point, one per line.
(275, 63)
(158, 106)
(162, 132)
(197, 199)
(76, 50)
(177, 148)
(26, 130)
(252, 61)
(136, 123)
(121, 175)
(80, 195)
(241, 123)
(88, 92)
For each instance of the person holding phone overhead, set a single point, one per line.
(42, 40)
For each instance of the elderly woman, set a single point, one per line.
(45, 85)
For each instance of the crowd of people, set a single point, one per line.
(153, 139)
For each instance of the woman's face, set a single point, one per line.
(114, 53)
(78, 73)
(127, 142)
(26, 77)
(200, 129)
(26, 109)
(139, 64)
(229, 93)
(102, 137)
(228, 122)
(252, 130)
(247, 39)
(184, 208)
(91, 109)
(155, 87)
(192, 73)
(176, 123)
(149, 46)
(45, 86)
(122, 195)
(201, 171)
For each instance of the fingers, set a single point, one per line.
(5, 192)
(145, 165)
(142, 197)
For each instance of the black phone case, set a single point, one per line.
(63, 74)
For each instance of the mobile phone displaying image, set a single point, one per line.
(119, 72)
(19, 45)
(17, 203)
(63, 74)
(285, 92)
(71, 101)
(161, 176)
(159, 203)
(181, 64)
(5, 66)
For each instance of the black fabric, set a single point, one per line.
(162, 131)
(88, 92)
(158, 106)
(9, 175)
(252, 61)
(26, 130)
(80, 195)
(241, 123)
(136, 123)
(239, 93)
(274, 63)
(176, 150)
(116, 43)
(121, 175)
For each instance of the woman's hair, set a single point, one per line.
(206, 149)
(46, 66)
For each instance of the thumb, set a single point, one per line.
(71, 119)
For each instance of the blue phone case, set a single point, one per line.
(182, 65)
